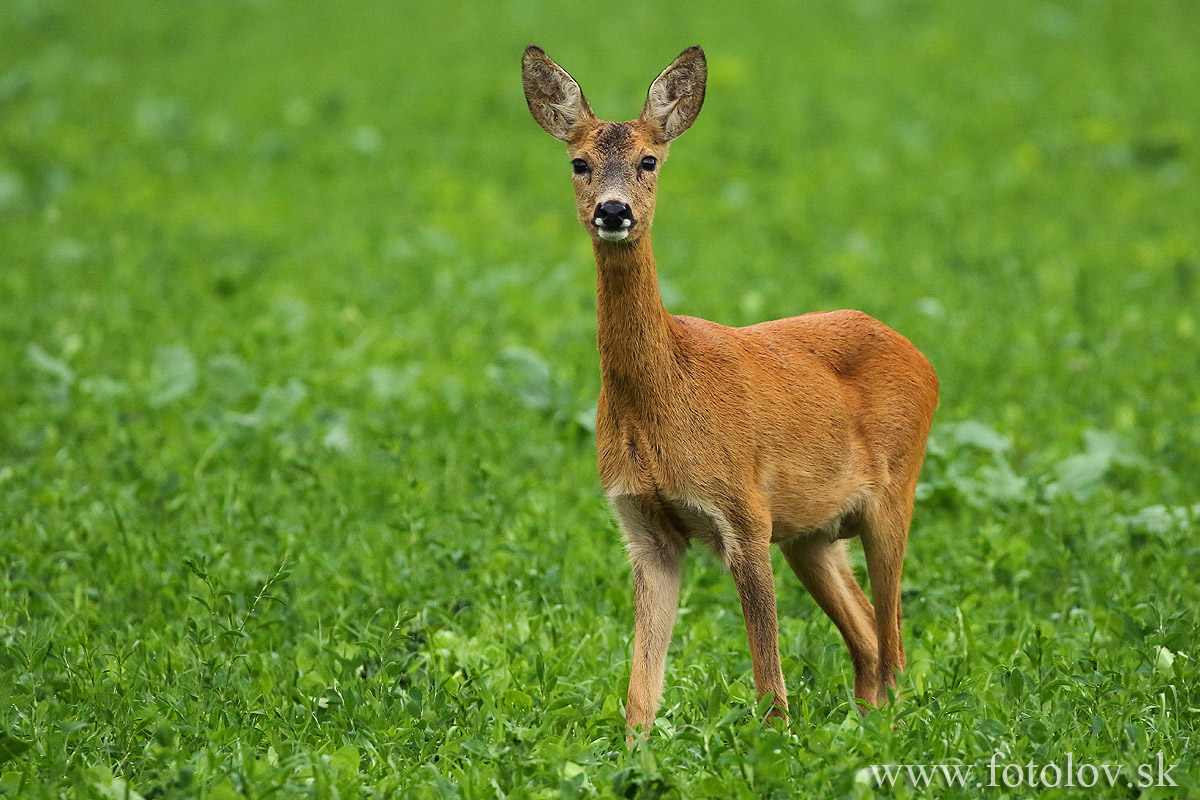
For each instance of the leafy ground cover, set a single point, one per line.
(297, 487)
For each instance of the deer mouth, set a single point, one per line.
(612, 234)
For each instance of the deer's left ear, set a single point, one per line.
(555, 99)
(676, 95)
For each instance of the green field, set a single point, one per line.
(298, 492)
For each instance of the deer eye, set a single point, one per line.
(649, 163)
(580, 166)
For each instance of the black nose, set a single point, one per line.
(614, 216)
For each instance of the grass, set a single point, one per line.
(297, 334)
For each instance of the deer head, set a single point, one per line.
(615, 164)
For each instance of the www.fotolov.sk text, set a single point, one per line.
(999, 773)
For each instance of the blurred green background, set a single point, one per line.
(298, 349)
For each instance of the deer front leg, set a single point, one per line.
(656, 596)
(656, 553)
(749, 560)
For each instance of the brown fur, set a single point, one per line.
(802, 431)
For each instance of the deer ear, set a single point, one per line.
(676, 95)
(554, 97)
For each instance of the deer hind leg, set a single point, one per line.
(656, 553)
(824, 569)
(885, 535)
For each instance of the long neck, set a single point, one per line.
(637, 337)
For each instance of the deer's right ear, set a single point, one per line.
(554, 97)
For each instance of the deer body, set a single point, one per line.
(802, 431)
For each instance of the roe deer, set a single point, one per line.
(804, 431)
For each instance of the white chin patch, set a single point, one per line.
(612, 236)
